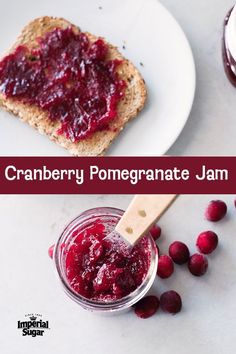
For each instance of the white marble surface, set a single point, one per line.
(211, 128)
(29, 224)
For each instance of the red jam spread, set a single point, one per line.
(104, 270)
(69, 77)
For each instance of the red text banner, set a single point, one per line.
(117, 175)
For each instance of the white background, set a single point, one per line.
(211, 128)
(30, 224)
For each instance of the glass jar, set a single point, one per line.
(228, 44)
(109, 218)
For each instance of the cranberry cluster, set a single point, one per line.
(206, 243)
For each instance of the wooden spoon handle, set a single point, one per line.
(142, 213)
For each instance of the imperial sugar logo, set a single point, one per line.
(33, 325)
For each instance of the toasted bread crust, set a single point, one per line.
(128, 107)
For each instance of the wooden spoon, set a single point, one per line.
(142, 213)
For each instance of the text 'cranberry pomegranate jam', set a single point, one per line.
(101, 274)
(228, 34)
(69, 77)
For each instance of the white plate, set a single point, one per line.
(151, 36)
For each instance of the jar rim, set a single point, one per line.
(95, 305)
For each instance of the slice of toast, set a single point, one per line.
(128, 107)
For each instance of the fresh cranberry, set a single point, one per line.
(104, 270)
(50, 251)
(207, 242)
(165, 267)
(171, 302)
(69, 77)
(216, 210)
(198, 264)
(155, 231)
(147, 306)
(235, 203)
(179, 252)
